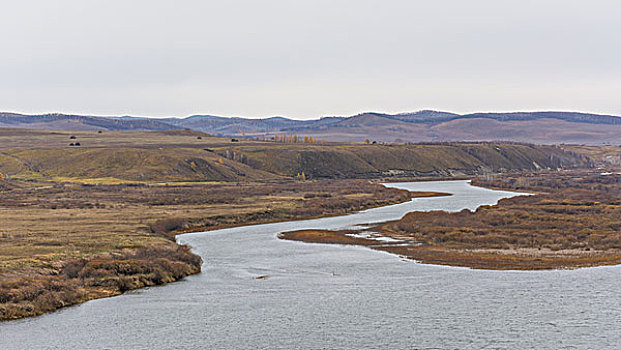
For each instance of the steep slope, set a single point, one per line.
(347, 161)
(128, 164)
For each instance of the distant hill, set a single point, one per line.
(56, 121)
(431, 126)
(421, 126)
(222, 126)
(566, 116)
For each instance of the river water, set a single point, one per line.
(320, 296)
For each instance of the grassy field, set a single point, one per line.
(574, 221)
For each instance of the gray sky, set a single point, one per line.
(306, 59)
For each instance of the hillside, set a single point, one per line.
(177, 155)
(421, 126)
(348, 161)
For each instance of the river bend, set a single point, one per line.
(320, 296)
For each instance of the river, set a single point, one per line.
(320, 296)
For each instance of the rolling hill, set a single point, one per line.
(184, 155)
(421, 126)
(57, 121)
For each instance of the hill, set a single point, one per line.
(182, 155)
(56, 121)
(421, 126)
(431, 126)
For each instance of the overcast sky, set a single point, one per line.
(306, 59)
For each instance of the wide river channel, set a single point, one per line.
(319, 296)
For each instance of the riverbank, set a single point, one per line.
(66, 243)
(573, 222)
(489, 259)
(88, 214)
(254, 283)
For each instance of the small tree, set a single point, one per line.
(303, 176)
(366, 141)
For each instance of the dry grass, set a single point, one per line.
(34, 292)
(65, 243)
(605, 156)
(54, 139)
(90, 221)
(574, 222)
(165, 156)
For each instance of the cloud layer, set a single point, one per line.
(309, 58)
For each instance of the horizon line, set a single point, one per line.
(307, 119)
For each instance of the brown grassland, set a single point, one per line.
(65, 243)
(85, 222)
(181, 155)
(573, 221)
(95, 220)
